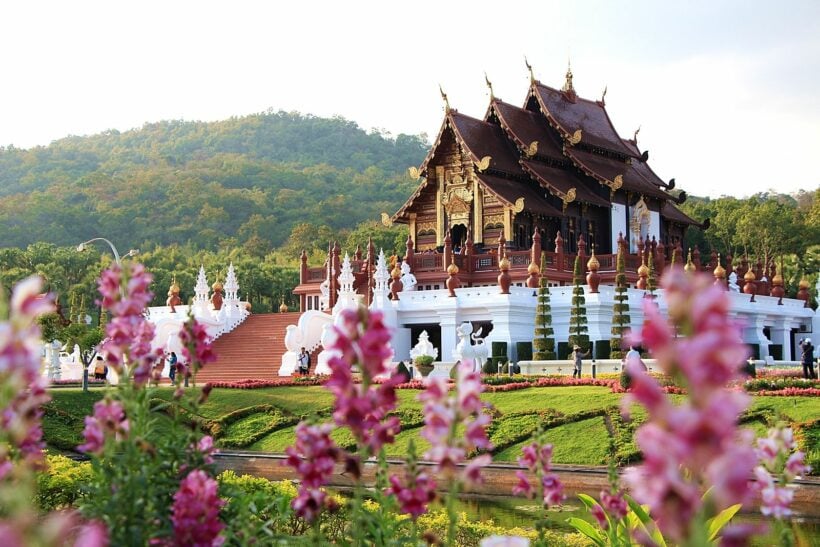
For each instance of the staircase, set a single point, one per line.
(253, 350)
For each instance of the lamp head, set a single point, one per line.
(81, 247)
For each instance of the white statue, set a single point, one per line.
(408, 280)
(424, 347)
(478, 351)
(324, 298)
(733, 282)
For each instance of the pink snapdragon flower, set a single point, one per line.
(777, 458)
(108, 421)
(129, 334)
(195, 511)
(414, 494)
(538, 459)
(362, 341)
(313, 456)
(196, 347)
(444, 413)
(697, 443)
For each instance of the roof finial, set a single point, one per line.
(568, 83)
(444, 96)
(635, 136)
(490, 85)
(529, 67)
(603, 96)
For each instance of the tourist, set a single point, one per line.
(807, 358)
(304, 362)
(576, 357)
(100, 370)
(172, 364)
(634, 354)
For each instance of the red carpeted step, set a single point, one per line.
(253, 350)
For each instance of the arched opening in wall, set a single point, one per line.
(521, 237)
(459, 235)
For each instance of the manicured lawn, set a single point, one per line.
(584, 440)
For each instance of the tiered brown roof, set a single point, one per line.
(578, 151)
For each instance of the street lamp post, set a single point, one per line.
(82, 247)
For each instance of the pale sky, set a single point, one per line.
(727, 94)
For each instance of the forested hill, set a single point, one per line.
(243, 180)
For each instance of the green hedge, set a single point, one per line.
(563, 350)
(524, 351)
(62, 483)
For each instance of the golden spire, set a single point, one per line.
(568, 88)
(489, 85)
(643, 269)
(529, 67)
(533, 268)
(452, 269)
(444, 96)
(750, 275)
(804, 283)
(592, 263)
(396, 273)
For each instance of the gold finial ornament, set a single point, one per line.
(533, 268)
(396, 273)
(690, 266)
(635, 135)
(778, 279)
(490, 86)
(174, 288)
(576, 137)
(452, 269)
(804, 284)
(387, 222)
(750, 275)
(720, 271)
(643, 269)
(529, 68)
(603, 95)
(217, 286)
(504, 264)
(283, 308)
(593, 264)
(444, 96)
(568, 88)
(483, 164)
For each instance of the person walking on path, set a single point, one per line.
(172, 367)
(576, 357)
(304, 362)
(807, 358)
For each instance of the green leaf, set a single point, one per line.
(588, 501)
(587, 529)
(715, 524)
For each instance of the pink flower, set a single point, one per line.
(600, 516)
(196, 346)
(108, 420)
(776, 501)
(795, 465)
(504, 541)
(414, 495)
(313, 456)
(696, 442)
(614, 504)
(195, 511)
(92, 534)
(538, 459)
(523, 487)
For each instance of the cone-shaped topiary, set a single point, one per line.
(651, 280)
(620, 310)
(543, 344)
(578, 311)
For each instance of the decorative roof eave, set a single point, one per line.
(527, 149)
(487, 188)
(567, 197)
(434, 147)
(613, 185)
(480, 164)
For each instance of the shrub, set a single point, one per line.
(61, 483)
(524, 351)
(401, 370)
(423, 360)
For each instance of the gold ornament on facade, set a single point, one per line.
(518, 206)
(569, 197)
(414, 172)
(504, 264)
(386, 220)
(531, 150)
(452, 269)
(617, 182)
(576, 137)
(483, 164)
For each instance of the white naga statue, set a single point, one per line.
(408, 280)
(733, 282)
(424, 347)
(477, 351)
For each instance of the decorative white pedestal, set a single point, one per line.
(441, 370)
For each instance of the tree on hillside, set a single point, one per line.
(543, 343)
(578, 311)
(393, 239)
(620, 309)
